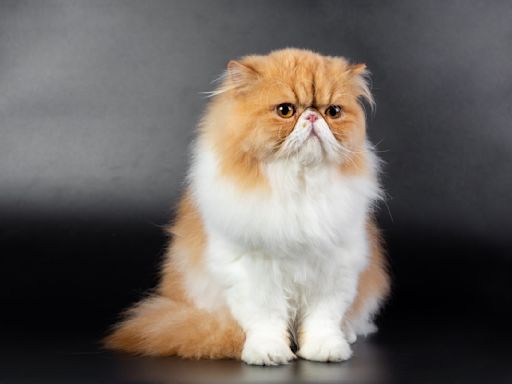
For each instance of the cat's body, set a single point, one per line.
(274, 239)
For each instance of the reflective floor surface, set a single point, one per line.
(419, 352)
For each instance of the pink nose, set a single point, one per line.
(312, 117)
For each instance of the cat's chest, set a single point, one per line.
(311, 211)
(313, 208)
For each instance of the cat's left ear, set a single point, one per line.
(360, 78)
(358, 69)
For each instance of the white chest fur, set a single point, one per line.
(295, 237)
(307, 209)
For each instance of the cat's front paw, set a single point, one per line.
(266, 352)
(325, 348)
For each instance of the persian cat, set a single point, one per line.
(274, 250)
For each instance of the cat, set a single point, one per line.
(275, 248)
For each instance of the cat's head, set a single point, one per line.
(291, 104)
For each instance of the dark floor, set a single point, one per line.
(62, 287)
(422, 352)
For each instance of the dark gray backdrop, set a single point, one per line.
(98, 103)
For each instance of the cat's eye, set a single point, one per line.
(333, 111)
(285, 110)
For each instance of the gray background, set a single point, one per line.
(98, 105)
(99, 100)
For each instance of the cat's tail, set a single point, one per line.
(160, 326)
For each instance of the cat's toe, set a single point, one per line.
(350, 334)
(267, 353)
(326, 349)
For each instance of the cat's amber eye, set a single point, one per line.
(333, 111)
(285, 110)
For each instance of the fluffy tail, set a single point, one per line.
(159, 326)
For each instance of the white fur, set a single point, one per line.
(311, 149)
(288, 257)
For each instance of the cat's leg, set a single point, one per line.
(258, 303)
(373, 288)
(320, 336)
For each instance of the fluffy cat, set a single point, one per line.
(274, 246)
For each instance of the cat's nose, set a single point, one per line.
(312, 117)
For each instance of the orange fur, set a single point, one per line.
(374, 280)
(237, 160)
(168, 323)
(159, 326)
(244, 130)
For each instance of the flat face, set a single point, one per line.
(293, 105)
(298, 81)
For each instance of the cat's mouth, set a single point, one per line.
(311, 140)
(313, 134)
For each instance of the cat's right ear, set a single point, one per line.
(237, 77)
(240, 75)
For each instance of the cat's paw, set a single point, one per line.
(325, 349)
(350, 334)
(267, 352)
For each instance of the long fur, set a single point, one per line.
(274, 240)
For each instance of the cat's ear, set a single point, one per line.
(361, 81)
(237, 76)
(240, 74)
(358, 69)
